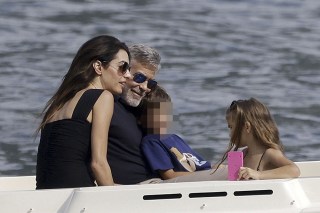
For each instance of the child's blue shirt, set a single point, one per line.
(171, 152)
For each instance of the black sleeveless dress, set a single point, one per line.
(64, 152)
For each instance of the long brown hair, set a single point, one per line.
(263, 126)
(81, 71)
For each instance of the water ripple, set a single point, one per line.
(213, 52)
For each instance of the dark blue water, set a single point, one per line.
(212, 53)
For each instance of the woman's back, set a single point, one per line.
(64, 153)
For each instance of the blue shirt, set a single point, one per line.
(171, 152)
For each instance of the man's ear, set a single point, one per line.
(97, 66)
(247, 126)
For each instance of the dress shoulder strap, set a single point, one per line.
(86, 103)
(258, 168)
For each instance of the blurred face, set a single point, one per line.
(158, 118)
(133, 92)
(114, 76)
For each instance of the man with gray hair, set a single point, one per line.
(128, 165)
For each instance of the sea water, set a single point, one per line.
(213, 52)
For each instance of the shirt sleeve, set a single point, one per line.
(156, 154)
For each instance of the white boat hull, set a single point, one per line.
(17, 194)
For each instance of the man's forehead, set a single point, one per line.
(139, 68)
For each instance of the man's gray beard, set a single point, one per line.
(128, 98)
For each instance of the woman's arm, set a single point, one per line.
(280, 167)
(101, 118)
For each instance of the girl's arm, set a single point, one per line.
(280, 167)
(283, 167)
(101, 118)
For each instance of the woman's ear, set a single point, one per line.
(248, 126)
(97, 66)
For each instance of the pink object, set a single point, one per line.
(235, 161)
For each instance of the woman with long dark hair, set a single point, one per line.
(74, 129)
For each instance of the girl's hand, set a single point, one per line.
(246, 173)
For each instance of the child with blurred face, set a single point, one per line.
(167, 154)
(157, 118)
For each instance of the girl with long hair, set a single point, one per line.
(252, 126)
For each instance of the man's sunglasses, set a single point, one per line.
(140, 78)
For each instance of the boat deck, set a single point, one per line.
(17, 194)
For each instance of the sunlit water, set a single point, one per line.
(212, 53)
